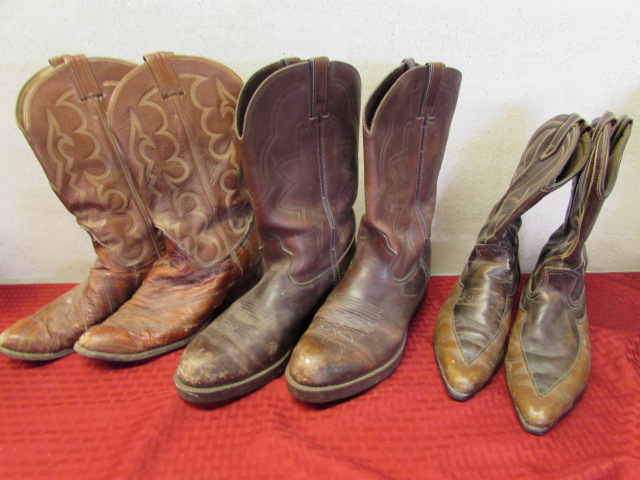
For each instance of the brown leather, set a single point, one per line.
(471, 328)
(299, 124)
(548, 359)
(357, 338)
(61, 111)
(173, 118)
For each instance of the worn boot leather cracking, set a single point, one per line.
(298, 121)
(472, 326)
(173, 118)
(61, 111)
(548, 359)
(358, 336)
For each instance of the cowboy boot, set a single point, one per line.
(471, 328)
(298, 121)
(548, 358)
(173, 118)
(357, 338)
(61, 111)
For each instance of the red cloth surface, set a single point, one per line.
(77, 418)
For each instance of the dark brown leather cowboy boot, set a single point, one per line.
(357, 338)
(299, 128)
(61, 111)
(549, 355)
(471, 329)
(173, 117)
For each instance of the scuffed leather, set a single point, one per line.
(548, 359)
(357, 336)
(173, 118)
(61, 111)
(298, 121)
(471, 329)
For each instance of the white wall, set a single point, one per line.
(522, 63)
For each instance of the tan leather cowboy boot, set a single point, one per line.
(357, 338)
(173, 118)
(298, 121)
(61, 111)
(549, 355)
(471, 329)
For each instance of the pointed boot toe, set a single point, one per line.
(106, 342)
(545, 380)
(31, 340)
(49, 333)
(468, 352)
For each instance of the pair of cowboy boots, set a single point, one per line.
(334, 315)
(147, 160)
(547, 360)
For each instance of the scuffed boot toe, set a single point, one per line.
(213, 372)
(322, 371)
(461, 380)
(29, 339)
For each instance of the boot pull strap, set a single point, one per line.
(57, 61)
(621, 126)
(562, 131)
(409, 63)
(430, 96)
(319, 85)
(599, 123)
(164, 74)
(289, 61)
(82, 76)
(619, 138)
(610, 139)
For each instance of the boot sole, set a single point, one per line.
(230, 391)
(331, 393)
(37, 357)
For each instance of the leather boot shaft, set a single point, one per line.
(174, 119)
(298, 121)
(62, 113)
(407, 121)
(555, 153)
(565, 248)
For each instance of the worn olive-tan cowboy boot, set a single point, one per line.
(62, 113)
(298, 121)
(173, 118)
(471, 328)
(357, 338)
(549, 356)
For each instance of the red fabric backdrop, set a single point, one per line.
(77, 418)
